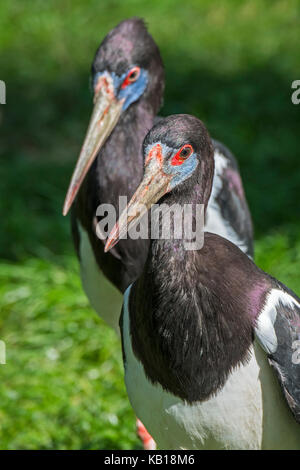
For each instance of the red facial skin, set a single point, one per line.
(155, 152)
(178, 159)
(103, 83)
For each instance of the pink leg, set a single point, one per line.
(147, 440)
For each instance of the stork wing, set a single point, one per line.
(278, 331)
(229, 199)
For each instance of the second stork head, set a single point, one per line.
(127, 68)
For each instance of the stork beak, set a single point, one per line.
(105, 115)
(154, 185)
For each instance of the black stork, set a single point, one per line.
(128, 84)
(202, 329)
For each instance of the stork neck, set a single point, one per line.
(182, 220)
(128, 135)
(118, 168)
(117, 171)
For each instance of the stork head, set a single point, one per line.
(127, 68)
(179, 157)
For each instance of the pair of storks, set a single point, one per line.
(202, 329)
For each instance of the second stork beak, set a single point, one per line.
(154, 185)
(105, 115)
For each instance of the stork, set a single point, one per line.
(203, 329)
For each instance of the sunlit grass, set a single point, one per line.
(62, 385)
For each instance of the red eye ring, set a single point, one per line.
(182, 155)
(132, 76)
(186, 151)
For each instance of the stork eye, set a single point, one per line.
(132, 76)
(182, 154)
(185, 152)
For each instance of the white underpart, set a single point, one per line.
(102, 295)
(215, 223)
(264, 330)
(248, 413)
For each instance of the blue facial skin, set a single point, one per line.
(132, 92)
(179, 172)
(183, 171)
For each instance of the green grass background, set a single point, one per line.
(229, 62)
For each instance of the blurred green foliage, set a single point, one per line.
(231, 63)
